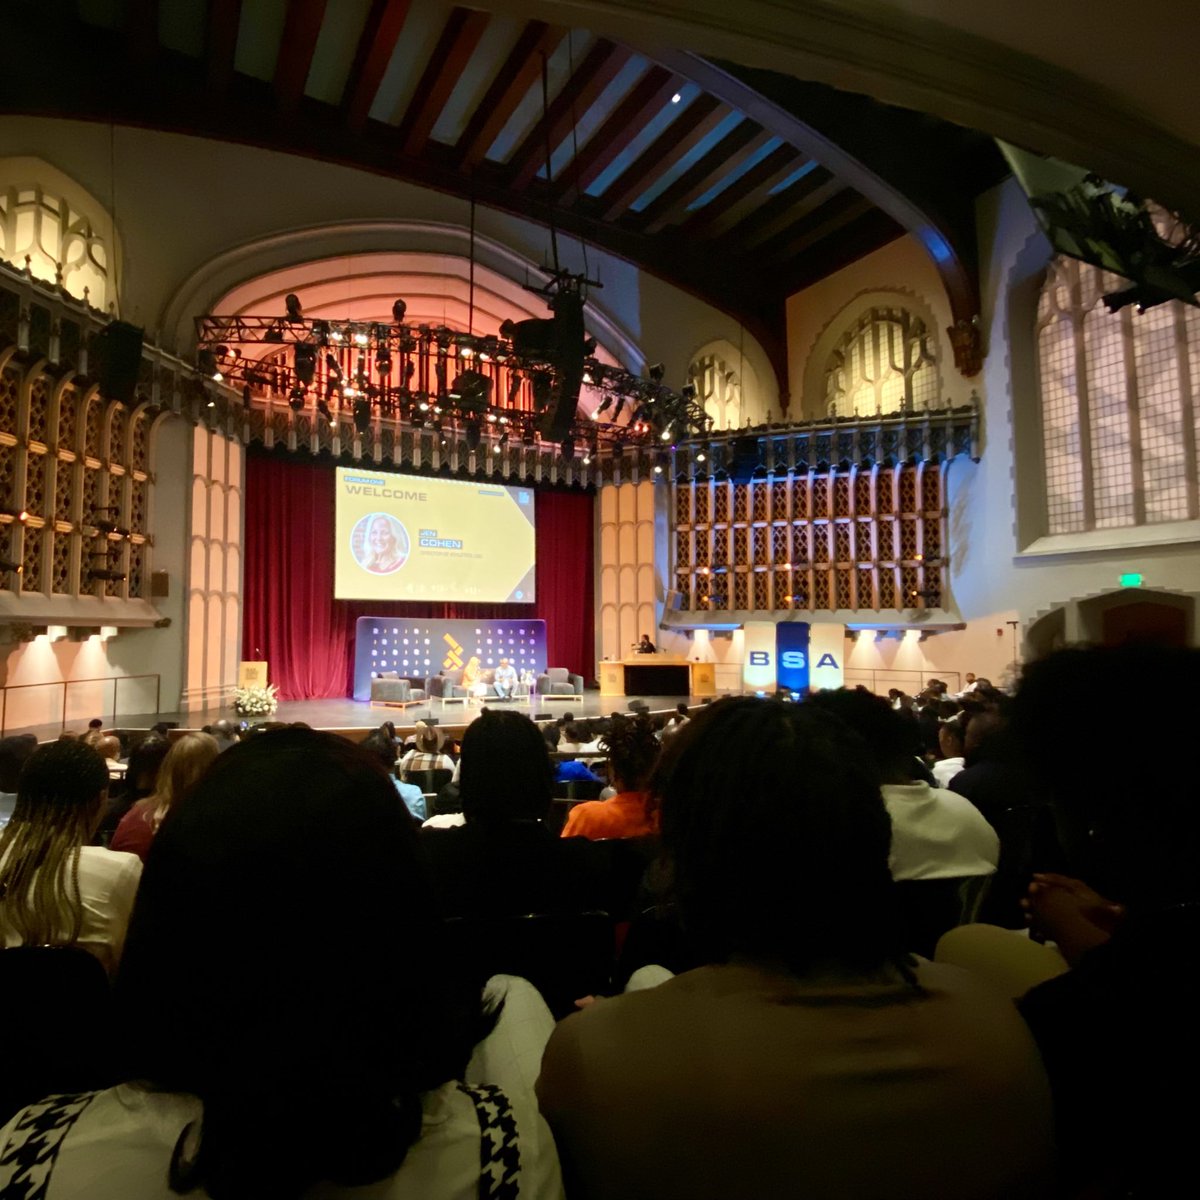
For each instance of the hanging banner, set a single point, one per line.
(791, 656)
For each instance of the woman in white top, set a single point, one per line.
(317, 1037)
(55, 890)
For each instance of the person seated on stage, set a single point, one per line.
(471, 678)
(55, 889)
(646, 646)
(936, 834)
(294, 877)
(183, 767)
(504, 682)
(381, 744)
(504, 860)
(632, 750)
(427, 754)
(809, 1055)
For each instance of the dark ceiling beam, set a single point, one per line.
(224, 17)
(801, 235)
(688, 129)
(141, 29)
(644, 102)
(670, 207)
(875, 150)
(296, 48)
(598, 69)
(376, 45)
(464, 27)
(865, 234)
(773, 169)
(782, 210)
(521, 69)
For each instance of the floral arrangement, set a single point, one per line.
(255, 701)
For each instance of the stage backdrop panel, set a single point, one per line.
(420, 648)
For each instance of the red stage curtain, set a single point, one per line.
(291, 619)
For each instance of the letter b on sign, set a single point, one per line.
(759, 658)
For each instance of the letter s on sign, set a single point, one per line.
(793, 660)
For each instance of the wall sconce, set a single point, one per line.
(107, 632)
(56, 633)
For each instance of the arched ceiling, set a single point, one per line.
(739, 185)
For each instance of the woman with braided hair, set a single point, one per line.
(55, 889)
(632, 751)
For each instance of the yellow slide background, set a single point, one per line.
(382, 520)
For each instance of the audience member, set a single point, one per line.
(182, 768)
(812, 1056)
(936, 834)
(504, 860)
(381, 744)
(951, 740)
(676, 721)
(427, 755)
(632, 749)
(14, 754)
(313, 1045)
(141, 775)
(55, 889)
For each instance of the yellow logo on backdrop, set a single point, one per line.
(453, 658)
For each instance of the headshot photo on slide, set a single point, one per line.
(379, 543)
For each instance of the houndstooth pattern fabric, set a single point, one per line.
(499, 1151)
(28, 1157)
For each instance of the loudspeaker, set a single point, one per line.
(116, 358)
(160, 585)
(743, 458)
(674, 602)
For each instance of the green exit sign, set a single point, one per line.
(1130, 580)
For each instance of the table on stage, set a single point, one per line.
(656, 675)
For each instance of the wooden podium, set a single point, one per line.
(252, 674)
(656, 675)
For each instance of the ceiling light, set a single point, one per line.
(701, 457)
(360, 339)
(675, 99)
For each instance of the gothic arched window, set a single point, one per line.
(884, 363)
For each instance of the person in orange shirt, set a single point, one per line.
(632, 750)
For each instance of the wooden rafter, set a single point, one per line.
(141, 29)
(643, 102)
(221, 44)
(375, 48)
(743, 140)
(836, 212)
(773, 169)
(783, 209)
(519, 72)
(296, 47)
(598, 69)
(867, 232)
(688, 129)
(464, 27)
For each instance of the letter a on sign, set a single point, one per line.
(827, 660)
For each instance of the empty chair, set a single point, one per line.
(557, 683)
(63, 992)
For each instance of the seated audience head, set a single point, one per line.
(894, 742)
(952, 737)
(183, 767)
(381, 745)
(552, 733)
(505, 772)
(225, 732)
(428, 738)
(632, 751)
(285, 912)
(682, 709)
(60, 798)
(14, 754)
(145, 759)
(1127, 816)
(574, 733)
(777, 837)
(109, 746)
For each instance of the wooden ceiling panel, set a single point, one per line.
(764, 175)
(296, 49)
(375, 49)
(224, 16)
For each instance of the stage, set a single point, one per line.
(357, 717)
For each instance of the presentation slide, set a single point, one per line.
(410, 537)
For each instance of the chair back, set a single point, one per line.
(565, 956)
(63, 992)
(928, 908)
(560, 809)
(430, 782)
(557, 674)
(578, 789)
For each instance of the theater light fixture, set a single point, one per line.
(294, 311)
(399, 308)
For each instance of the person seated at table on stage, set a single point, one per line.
(427, 756)
(505, 679)
(646, 646)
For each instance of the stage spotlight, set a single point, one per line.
(321, 332)
(245, 395)
(323, 409)
(332, 366)
(473, 435)
(294, 311)
(567, 447)
(206, 363)
(688, 391)
(399, 308)
(589, 347)
(514, 388)
(472, 391)
(297, 397)
(657, 371)
(362, 415)
(701, 457)
(383, 361)
(305, 363)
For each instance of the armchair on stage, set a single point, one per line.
(446, 686)
(559, 684)
(390, 688)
